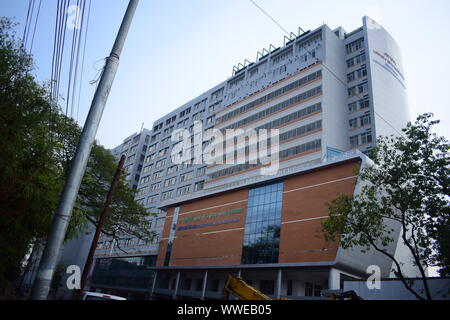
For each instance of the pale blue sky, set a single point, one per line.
(178, 49)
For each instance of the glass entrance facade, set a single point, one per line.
(262, 225)
(129, 272)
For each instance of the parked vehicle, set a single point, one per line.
(100, 296)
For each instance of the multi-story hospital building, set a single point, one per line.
(329, 93)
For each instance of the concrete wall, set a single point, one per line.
(386, 80)
(335, 124)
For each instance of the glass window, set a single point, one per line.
(262, 229)
(134, 270)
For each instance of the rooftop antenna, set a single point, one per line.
(302, 31)
(261, 54)
(142, 127)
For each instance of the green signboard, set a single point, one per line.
(211, 215)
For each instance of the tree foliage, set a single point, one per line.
(407, 186)
(37, 143)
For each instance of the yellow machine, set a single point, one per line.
(340, 295)
(243, 291)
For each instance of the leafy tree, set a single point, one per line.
(37, 143)
(125, 216)
(29, 183)
(407, 185)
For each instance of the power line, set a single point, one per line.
(72, 57)
(52, 76)
(78, 56)
(31, 20)
(35, 24)
(78, 36)
(62, 45)
(270, 17)
(27, 22)
(82, 62)
(56, 46)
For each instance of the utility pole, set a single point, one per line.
(69, 194)
(101, 220)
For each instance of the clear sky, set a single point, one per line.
(178, 49)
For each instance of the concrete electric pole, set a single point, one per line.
(69, 194)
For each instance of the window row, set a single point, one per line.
(301, 130)
(359, 122)
(282, 56)
(360, 73)
(300, 82)
(235, 82)
(360, 139)
(157, 127)
(171, 193)
(356, 60)
(292, 117)
(171, 120)
(214, 107)
(300, 149)
(152, 147)
(185, 112)
(155, 137)
(134, 148)
(278, 107)
(358, 89)
(198, 115)
(175, 168)
(355, 45)
(168, 130)
(309, 55)
(283, 137)
(217, 94)
(200, 104)
(309, 42)
(283, 154)
(358, 105)
(210, 120)
(154, 176)
(142, 191)
(183, 123)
